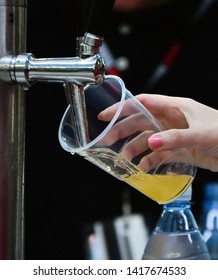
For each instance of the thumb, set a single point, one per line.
(171, 139)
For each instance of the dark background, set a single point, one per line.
(65, 193)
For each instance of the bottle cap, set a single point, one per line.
(187, 195)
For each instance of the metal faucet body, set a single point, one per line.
(24, 69)
(73, 72)
(88, 67)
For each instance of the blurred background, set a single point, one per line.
(67, 199)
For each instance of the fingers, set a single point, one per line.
(108, 113)
(188, 124)
(136, 146)
(155, 102)
(169, 111)
(129, 126)
(122, 109)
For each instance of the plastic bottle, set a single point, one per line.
(176, 235)
(209, 219)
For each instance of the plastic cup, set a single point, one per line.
(117, 142)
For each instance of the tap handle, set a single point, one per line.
(82, 10)
(99, 16)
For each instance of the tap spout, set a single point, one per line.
(25, 69)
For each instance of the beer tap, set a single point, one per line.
(18, 72)
(88, 67)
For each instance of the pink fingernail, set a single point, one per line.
(100, 116)
(155, 142)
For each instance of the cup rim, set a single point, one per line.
(72, 150)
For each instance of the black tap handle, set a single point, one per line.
(82, 10)
(99, 16)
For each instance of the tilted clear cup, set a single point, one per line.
(116, 141)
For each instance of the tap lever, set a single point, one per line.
(82, 10)
(99, 16)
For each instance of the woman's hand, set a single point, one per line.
(188, 124)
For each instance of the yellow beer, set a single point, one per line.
(161, 188)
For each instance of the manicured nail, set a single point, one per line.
(100, 116)
(155, 142)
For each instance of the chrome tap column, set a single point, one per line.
(12, 135)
